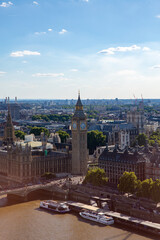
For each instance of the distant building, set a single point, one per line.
(136, 117)
(54, 138)
(29, 138)
(117, 132)
(150, 127)
(124, 138)
(15, 110)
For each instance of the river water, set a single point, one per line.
(25, 221)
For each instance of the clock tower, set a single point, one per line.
(79, 140)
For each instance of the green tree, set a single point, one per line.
(151, 142)
(63, 135)
(37, 131)
(141, 139)
(139, 188)
(95, 139)
(155, 136)
(45, 118)
(19, 134)
(145, 189)
(155, 191)
(52, 117)
(128, 183)
(48, 175)
(36, 117)
(96, 177)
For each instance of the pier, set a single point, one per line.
(51, 191)
(119, 218)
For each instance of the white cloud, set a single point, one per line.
(126, 72)
(2, 73)
(48, 75)
(98, 75)
(40, 33)
(63, 31)
(158, 16)
(74, 70)
(24, 53)
(85, 0)
(146, 49)
(24, 61)
(5, 4)
(43, 33)
(35, 3)
(113, 50)
(156, 66)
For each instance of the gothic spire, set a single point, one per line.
(79, 105)
(9, 135)
(79, 109)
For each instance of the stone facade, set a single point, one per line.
(136, 117)
(24, 164)
(124, 138)
(9, 136)
(144, 161)
(20, 163)
(116, 162)
(153, 165)
(79, 140)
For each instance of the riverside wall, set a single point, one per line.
(135, 207)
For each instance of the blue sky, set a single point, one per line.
(106, 48)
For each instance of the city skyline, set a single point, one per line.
(106, 49)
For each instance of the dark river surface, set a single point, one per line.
(25, 221)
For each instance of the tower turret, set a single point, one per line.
(9, 136)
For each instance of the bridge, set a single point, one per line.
(36, 192)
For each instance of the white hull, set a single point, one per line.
(98, 220)
(54, 210)
(54, 207)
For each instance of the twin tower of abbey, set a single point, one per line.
(20, 162)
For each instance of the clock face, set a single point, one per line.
(83, 125)
(74, 125)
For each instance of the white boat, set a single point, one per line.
(97, 217)
(54, 206)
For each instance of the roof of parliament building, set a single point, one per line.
(132, 155)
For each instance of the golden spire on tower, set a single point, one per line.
(79, 105)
